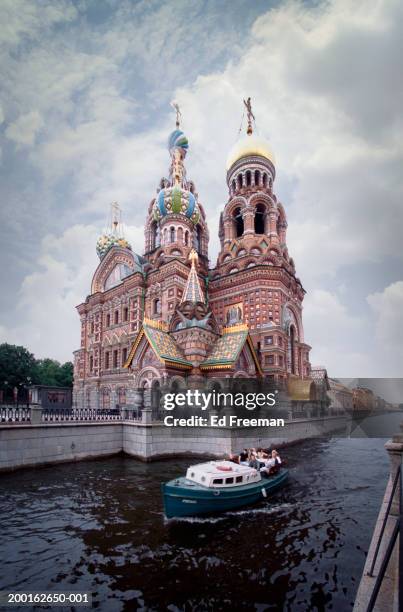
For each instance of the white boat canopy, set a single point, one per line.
(222, 474)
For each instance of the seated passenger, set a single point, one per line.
(243, 457)
(261, 457)
(253, 461)
(272, 464)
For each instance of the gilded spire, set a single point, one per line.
(193, 291)
(250, 115)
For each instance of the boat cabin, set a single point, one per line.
(222, 474)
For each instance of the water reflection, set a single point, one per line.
(98, 526)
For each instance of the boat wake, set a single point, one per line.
(230, 513)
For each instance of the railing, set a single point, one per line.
(397, 531)
(61, 415)
(13, 414)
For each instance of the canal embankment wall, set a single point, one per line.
(389, 518)
(30, 445)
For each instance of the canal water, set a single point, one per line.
(97, 526)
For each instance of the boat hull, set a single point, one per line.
(180, 499)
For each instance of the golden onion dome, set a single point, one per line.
(250, 145)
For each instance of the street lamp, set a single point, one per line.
(28, 390)
(5, 384)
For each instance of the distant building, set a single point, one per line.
(363, 400)
(340, 396)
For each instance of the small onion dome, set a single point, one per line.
(107, 241)
(247, 146)
(177, 139)
(175, 200)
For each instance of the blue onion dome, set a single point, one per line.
(107, 241)
(178, 140)
(178, 201)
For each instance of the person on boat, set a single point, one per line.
(272, 464)
(234, 458)
(262, 457)
(243, 457)
(253, 461)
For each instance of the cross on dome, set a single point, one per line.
(250, 115)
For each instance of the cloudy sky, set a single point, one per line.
(84, 117)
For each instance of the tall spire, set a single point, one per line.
(178, 145)
(193, 291)
(250, 115)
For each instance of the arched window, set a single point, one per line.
(186, 238)
(238, 221)
(155, 396)
(116, 317)
(265, 180)
(180, 234)
(259, 219)
(292, 349)
(172, 234)
(157, 307)
(248, 177)
(106, 398)
(197, 239)
(240, 181)
(165, 236)
(233, 185)
(122, 396)
(118, 274)
(153, 242)
(257, 177)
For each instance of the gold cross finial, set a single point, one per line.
(175, 106)
(193, 257)
(115, 211)
(251, 116)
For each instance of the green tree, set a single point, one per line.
(51, 372)
(17, 367)
(65, 376)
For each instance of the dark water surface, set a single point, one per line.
(97, 526)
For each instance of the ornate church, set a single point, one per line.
(166, 317)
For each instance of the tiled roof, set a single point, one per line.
(228, 347)
(162, 343)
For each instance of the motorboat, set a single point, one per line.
(218, 486)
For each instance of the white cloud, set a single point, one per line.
(45, 313)
(24, 130)
(388, 309)
(335, 335)
(23, 19)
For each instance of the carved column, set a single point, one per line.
(248, 216)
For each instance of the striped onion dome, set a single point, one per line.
(176, 200)
(177, 139)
